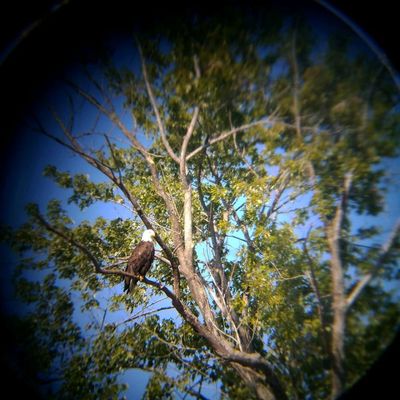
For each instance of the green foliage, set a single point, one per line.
(265, 195)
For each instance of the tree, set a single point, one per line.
(252, 158)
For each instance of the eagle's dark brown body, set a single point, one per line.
(139, 263)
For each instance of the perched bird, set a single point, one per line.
(141, 259)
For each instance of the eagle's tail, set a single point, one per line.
(129, 284)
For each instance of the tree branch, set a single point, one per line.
(220, 345)
(296, 103)
(159, 189)
(153, 102)
(216, 245)
(383, 254)
(315, 288)
(109, 173)
(338, 293)
(190, 130)
(219, 137)
(144, 314)
(222, 290)
(187, 189)
(335, 228)
(183, 310)
(242, 156)
(114, 157)
(187, 138)
(113, 117)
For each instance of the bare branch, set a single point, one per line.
(99, 88)
(193, 122)
(383, 254)
(153, 102)
(77, 148)
(355, 293)
(219, 137)
(112, 116)
(187, 137)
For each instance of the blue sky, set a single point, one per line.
(25, 182)
(30, 152)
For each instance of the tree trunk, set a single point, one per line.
(257, 383)
(338, 292)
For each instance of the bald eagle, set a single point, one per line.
(141, 259)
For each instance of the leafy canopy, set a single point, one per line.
(313, 111)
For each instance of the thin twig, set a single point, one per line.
(144, 314)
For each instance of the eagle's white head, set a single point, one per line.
(148, 235)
